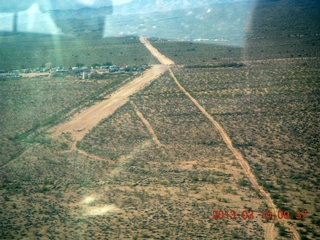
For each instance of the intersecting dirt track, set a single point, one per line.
(88, 118)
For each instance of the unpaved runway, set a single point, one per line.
(88, 118)
(161, 58)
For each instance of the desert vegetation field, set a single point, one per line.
(282, 29)
(192, 170)
(31, 50)
(157, 167)
(269, 109)
(28, 104)
(191, 53)
(140, 190)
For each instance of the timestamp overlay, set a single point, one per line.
(254, 214)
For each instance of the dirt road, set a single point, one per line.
(88, 118)
(269, 231)
(161, 58)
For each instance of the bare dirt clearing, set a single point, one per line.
(34, 74)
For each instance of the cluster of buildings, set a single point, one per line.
(77, 71)
(16, 73)
(12, 74)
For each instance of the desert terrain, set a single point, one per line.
(210, 141)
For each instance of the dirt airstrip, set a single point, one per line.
(88, 118)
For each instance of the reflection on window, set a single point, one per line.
(208, 21)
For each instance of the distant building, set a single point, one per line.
(26, 70)
(44, 70)
(85, 69)
(113, 68)
(13, 74)
(104, 68)
(62, 71)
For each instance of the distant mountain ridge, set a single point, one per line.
(149, 6)
(224, 22)
(82, 13)
(135, 7)
(220, 22)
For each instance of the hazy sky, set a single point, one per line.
(89, 3)
(21, 5)
(118, 2)
(35, 18)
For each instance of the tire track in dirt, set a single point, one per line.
(269, 232)
(84, 153)
(124, 159)
(147, 124)
(23, 153)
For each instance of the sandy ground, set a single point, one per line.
(34, 74)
